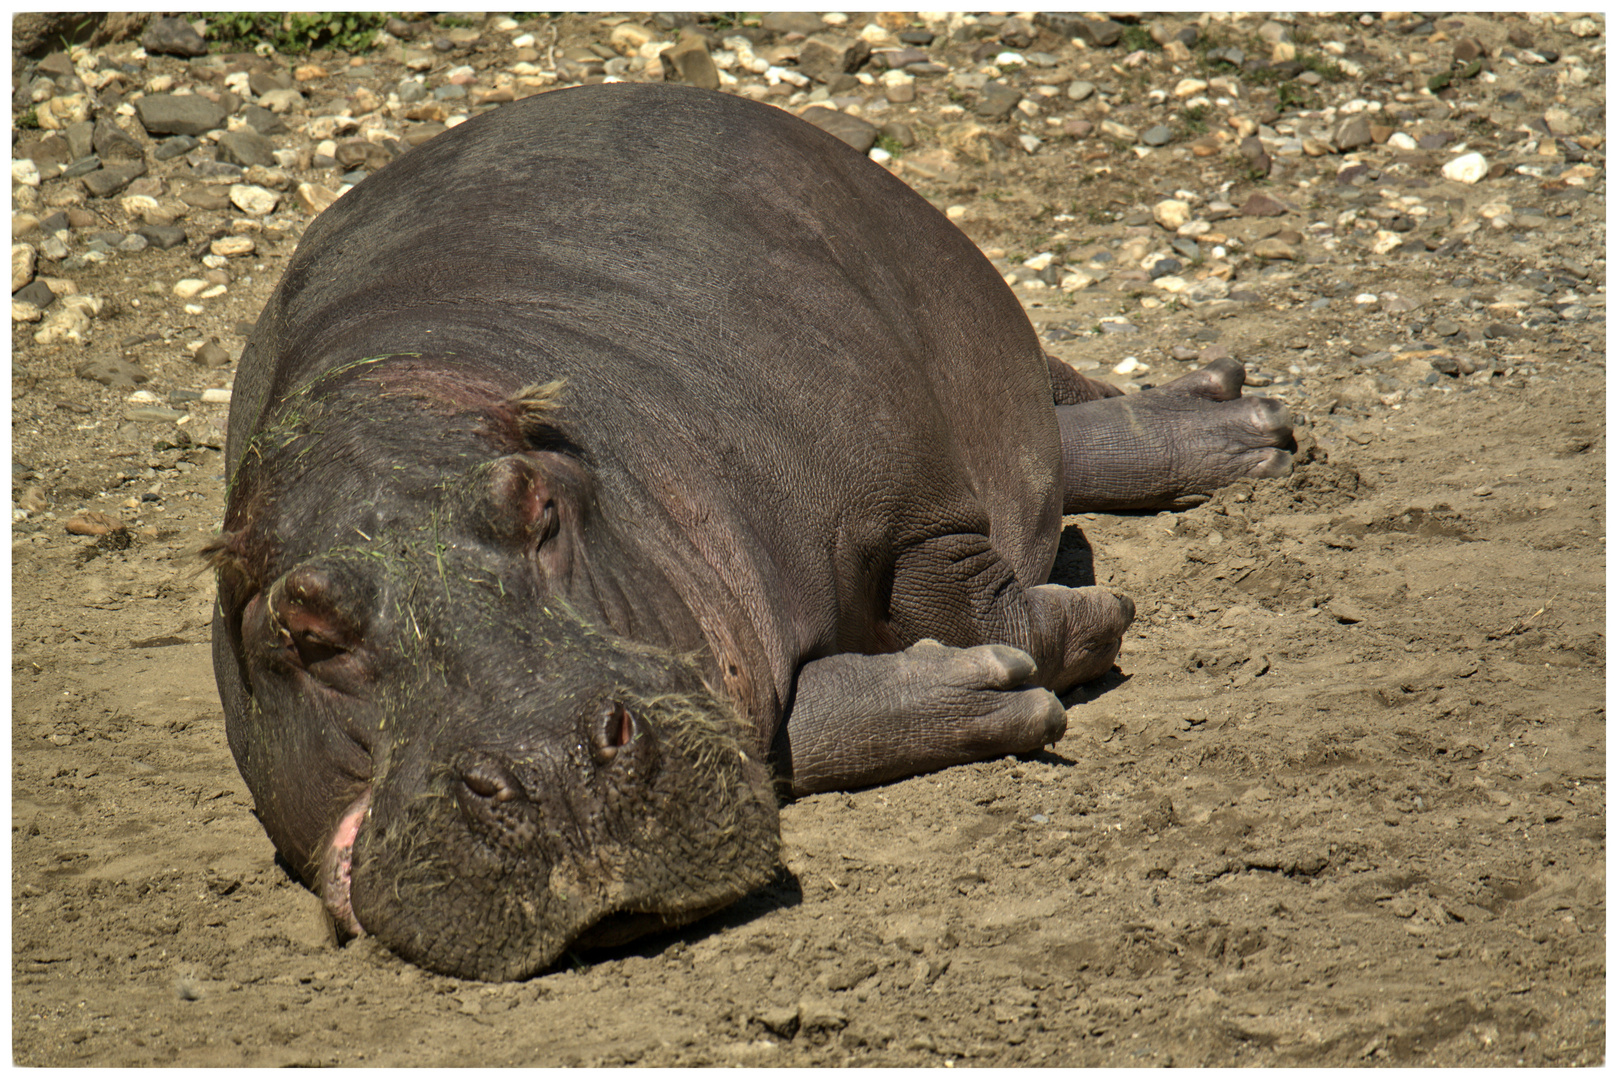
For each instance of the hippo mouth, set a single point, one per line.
(335, 879)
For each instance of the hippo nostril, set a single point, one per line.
(615, 731)
(492, 782)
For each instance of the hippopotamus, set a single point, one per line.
(623, 461)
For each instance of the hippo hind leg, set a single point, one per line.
(1171, 446)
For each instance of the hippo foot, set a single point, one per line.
(1077, 632)
(1172, 446)
(858, 720)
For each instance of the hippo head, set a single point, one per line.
(431, 695)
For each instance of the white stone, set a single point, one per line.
(212, 291)
(1187, 87)
(252, 199)
(216, 397)
(879, 155)
(229, 246)
(1010, 59)
(1172, 213)
(143, 397)
(22, 311)
(834, 18)
(956, 212)
(1467, 169)
(1130, 366)
(522, 41)
(1076, 280)
(25, 172)
(1365, 299)
(186, 288)
(1030, 143)
(1172, 283)
(1040, 261)
(1399, 140)
(1386, 240)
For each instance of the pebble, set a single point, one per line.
(1467, 169)
(1172, 213)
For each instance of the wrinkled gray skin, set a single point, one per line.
(615, 449)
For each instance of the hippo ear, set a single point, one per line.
(536, 408)
(224, 554)
(522, 500)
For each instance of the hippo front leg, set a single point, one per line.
(858, 720)
(1171, 446)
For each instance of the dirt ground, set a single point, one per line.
(1342, 803)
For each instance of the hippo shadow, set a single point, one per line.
(783, 891)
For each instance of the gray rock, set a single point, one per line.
(112, 179)
(178, 114)
(82, 167)
(263, 82)
(1352, 133)
(860, 134)
(825, 56)
(362, 153)
(1100, 33)
(411, 91)
(36, 292)
(246, 148)
(212, 355)
(173, 148)
(173, 37)
(162, 237)
(113, 145)
(1157, 135)
(111, 371)
(453, 92)
(997, 101)
(1078, 89)
(263, 120)
(795, 22)
(902, 134)
(1260, 205)
(80, 140)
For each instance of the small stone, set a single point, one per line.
(94, 523)
(162, 237)
(858, 133)
(36, 292)
(281, 101)
(186, 288)
(315, 198)
(1352, 133)
(1078, 89)
(24, 259)
(216, 396)
(231, 246)
(212, 355)
(1188, 87)
(1345, 611)
(173, 37)
(1157, 135)
(106, 182)
(1273, 247)
(689, 62)
(1172, 213)
(997, 101)
(1261, 205)
(823, 57)
(246, 148)
(152, 414)
(1467, 169)
(111, 371)
(253, 200)
(1119, 131)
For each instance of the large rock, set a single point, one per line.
(173, 37)
(246, 148)
(997, 101)
(178, 114)
(110, 180)
(689, 62)
(114, 145)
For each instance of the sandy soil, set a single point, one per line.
(1342, 803)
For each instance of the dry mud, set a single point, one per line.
(1343, 802)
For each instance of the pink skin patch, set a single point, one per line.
(337, 867)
